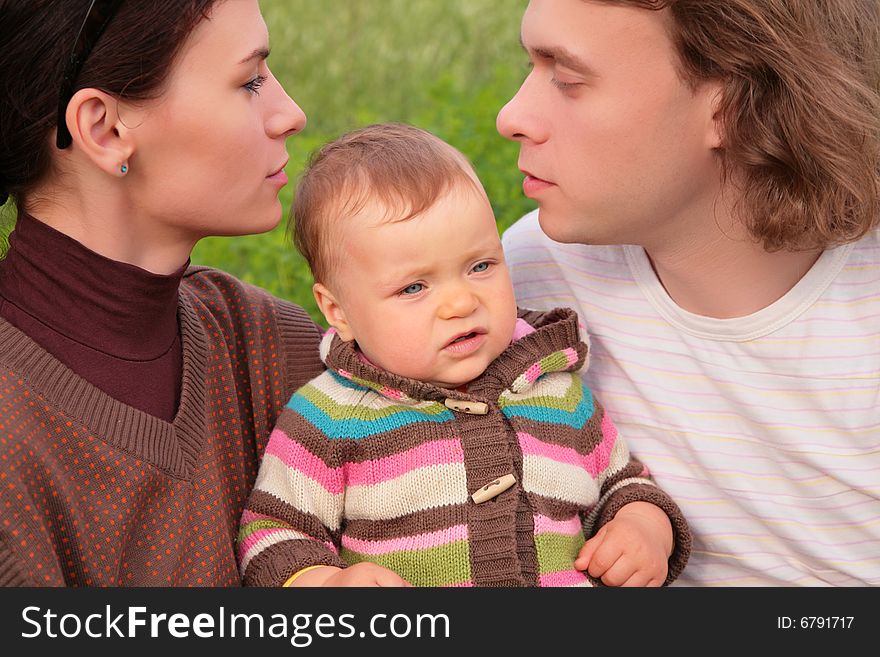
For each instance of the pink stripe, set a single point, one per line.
(867, 387)
(459, 585)
(248, 516)
(600, 457)
(418, 542)
(599, 330)
(545, 525)
(392, 393)
(254, 538)
(298, 458)
(571, 356)
(439, 452)
(594, 462)
(531, 446)
(533, 373)
(563, 578)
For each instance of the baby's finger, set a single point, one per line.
(640, 578)
(619, 572)
(605, 556)
(388, 578)
(585, 554)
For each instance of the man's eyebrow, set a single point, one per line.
(258, 53)
(561, 56)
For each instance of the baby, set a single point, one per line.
(451, 441)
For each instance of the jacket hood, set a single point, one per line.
(553, 346)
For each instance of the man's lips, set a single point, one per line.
(533, 185)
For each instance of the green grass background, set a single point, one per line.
(445, 65)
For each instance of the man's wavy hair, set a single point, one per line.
(800, 110)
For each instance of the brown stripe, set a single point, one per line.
(277, 563)
(268, 505)
(633, 468)
(583, 440)
(421, 522)
(553, 508)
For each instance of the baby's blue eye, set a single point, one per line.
(415, 288)
(483, 266)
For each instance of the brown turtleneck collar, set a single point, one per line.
(112, 323)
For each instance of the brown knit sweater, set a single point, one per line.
(96, 492)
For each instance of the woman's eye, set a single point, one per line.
(415, 288)
(483, 266)
(254, 85)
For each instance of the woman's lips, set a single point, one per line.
(278, 176)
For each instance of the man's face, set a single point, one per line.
(616, 146)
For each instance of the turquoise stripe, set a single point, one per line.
(357, 428)
(575, 419)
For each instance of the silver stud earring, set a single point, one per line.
(123, 168)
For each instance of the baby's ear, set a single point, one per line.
(332, 311)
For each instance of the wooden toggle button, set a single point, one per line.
(493, 489)
(467, 406)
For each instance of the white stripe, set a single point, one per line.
(299, 491)
(425, 488)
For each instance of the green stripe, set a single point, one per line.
(257, 525)
(568, 402)
(557, 552)
(337, 410)
(555, 362)
(438, 566)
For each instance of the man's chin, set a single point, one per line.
(557, 226)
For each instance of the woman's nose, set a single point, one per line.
(285, 116)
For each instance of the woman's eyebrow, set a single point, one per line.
(258, 53)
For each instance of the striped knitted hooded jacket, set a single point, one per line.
(364, 465)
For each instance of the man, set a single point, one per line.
(707, 177)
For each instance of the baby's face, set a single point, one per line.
(429, 298)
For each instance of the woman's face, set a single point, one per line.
(209, 153)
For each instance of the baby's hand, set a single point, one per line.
(632, 549)
(360, 574)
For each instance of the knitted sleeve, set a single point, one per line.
(294, 514)
(624, 479)
(27, 556)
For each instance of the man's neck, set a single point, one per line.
(726, 274)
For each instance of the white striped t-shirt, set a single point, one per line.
(765, 429)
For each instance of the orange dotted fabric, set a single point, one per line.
(96, 493)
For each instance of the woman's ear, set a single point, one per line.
(97, 129)
(332, 311)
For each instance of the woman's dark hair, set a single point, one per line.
(131, 60)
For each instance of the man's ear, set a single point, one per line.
(332, 311)
(714, 128)
(98, 131)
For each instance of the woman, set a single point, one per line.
(136, 394)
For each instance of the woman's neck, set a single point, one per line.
(111, 225)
